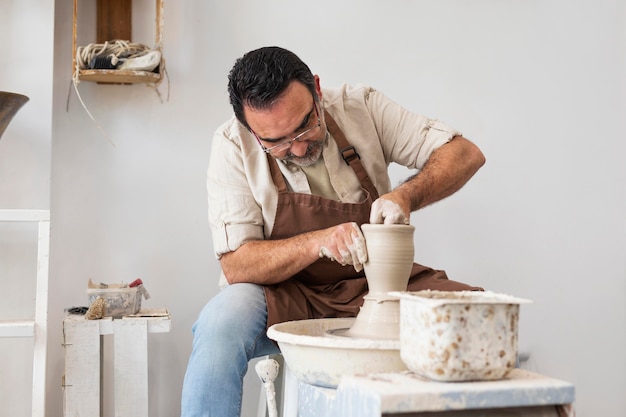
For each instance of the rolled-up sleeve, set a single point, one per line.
(407, 138)
(435, 134)
(234, 215)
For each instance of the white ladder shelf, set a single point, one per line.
(37, 328)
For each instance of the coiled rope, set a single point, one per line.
(115, 49)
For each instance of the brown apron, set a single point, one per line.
(325, 288)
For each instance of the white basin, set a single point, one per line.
(317, 354)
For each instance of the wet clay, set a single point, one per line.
(390, 252)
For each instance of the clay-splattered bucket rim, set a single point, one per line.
(438, 298)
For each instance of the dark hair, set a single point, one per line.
(260, 77)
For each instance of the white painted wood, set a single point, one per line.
(398, 393)
(262, 407)
(131, 368)
(37, 328)
(286, 387)
(82, 379)
(83, 360)
(40, 351)
(156, 324)
(17, 328)
(290, 393)
(161, 324)
(267, 371)
(315, 401)
(24, 215)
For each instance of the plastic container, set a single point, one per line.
(119, 299)
(459, 335)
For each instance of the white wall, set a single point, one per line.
(539, 86)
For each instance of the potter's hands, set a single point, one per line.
(389, 210)
(345, 244)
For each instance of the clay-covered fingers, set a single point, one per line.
(387, 212)
(357, 248)
(325, 252)
(345, 245)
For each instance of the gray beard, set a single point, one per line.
(312, 155)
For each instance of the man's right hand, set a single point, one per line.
(346, 245)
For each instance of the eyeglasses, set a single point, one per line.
(286, 144)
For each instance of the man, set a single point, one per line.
(291, 177)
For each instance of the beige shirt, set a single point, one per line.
(242, 197)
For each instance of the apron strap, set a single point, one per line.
(350, 155)
(277, 176)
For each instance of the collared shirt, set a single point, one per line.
(243, 198)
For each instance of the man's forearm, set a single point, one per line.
(269, 261)
(272, 261)
(446, 171)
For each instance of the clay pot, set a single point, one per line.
(10, 103)
(390, 253)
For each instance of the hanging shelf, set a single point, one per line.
(114, 22)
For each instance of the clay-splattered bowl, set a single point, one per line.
(459, 335)
(317, 356)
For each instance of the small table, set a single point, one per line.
(83, 362)
(407, 394)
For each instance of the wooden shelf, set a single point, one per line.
(119, 76)
(114, 20)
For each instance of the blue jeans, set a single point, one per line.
(228, 333)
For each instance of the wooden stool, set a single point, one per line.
(83, 363)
